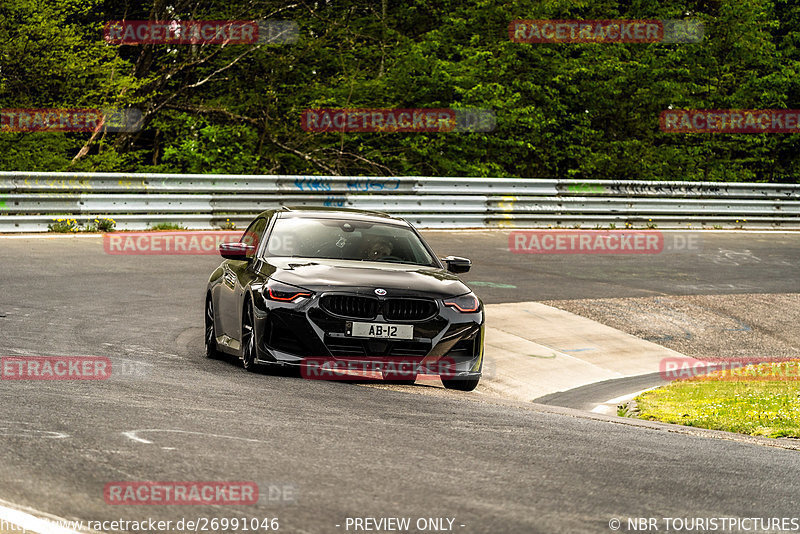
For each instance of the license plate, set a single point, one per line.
(382, 330)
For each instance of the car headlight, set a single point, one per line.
(280, 292)
(468, 303)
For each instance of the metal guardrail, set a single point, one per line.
(29, 201)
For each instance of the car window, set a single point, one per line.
(252, 236)
(347, 240)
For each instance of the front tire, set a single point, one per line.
(464, 384)
(212, 350)
(248, 340)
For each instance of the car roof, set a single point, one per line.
(337, 213)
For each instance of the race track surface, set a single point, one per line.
(351, 451)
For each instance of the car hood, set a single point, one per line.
(364, 277)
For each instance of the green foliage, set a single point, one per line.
(71, 226)
(102, 224)
(759, 400)
(167, 226)
(64, 226)
(579, 111)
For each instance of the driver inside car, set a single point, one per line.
(376, 248)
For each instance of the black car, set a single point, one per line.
(332, 290)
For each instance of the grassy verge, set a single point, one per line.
(71, 226)
(167, 226)
(752, 402)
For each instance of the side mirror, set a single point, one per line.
(236, 251)
(456, 264)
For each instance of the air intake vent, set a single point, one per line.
(374, 349)
(409, 309)
(350, 306)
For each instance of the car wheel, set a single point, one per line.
(212, 351)
(464, 384)
(248, 340)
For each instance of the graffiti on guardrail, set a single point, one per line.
(334, 202)
(648, 189)
(72, 183)
(312, 184)
(352, 184)
(635, 189)
(586, 189)
(34, 199)
(373, 184)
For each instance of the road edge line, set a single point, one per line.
(23, 517)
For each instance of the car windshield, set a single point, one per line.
(343, 239)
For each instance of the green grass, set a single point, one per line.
(64, 226)
(167, 226)
(743, 401)
(102, 224)
(68, 226)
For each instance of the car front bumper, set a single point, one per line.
(450, 343)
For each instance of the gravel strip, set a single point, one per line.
(704, 326)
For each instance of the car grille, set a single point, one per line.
(397, 309)
(408, 309)
(350, 306)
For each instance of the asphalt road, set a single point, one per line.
(347, 450)
(714, 263)
(589, 396)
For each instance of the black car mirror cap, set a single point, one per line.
(236, 251)
(456, 264)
